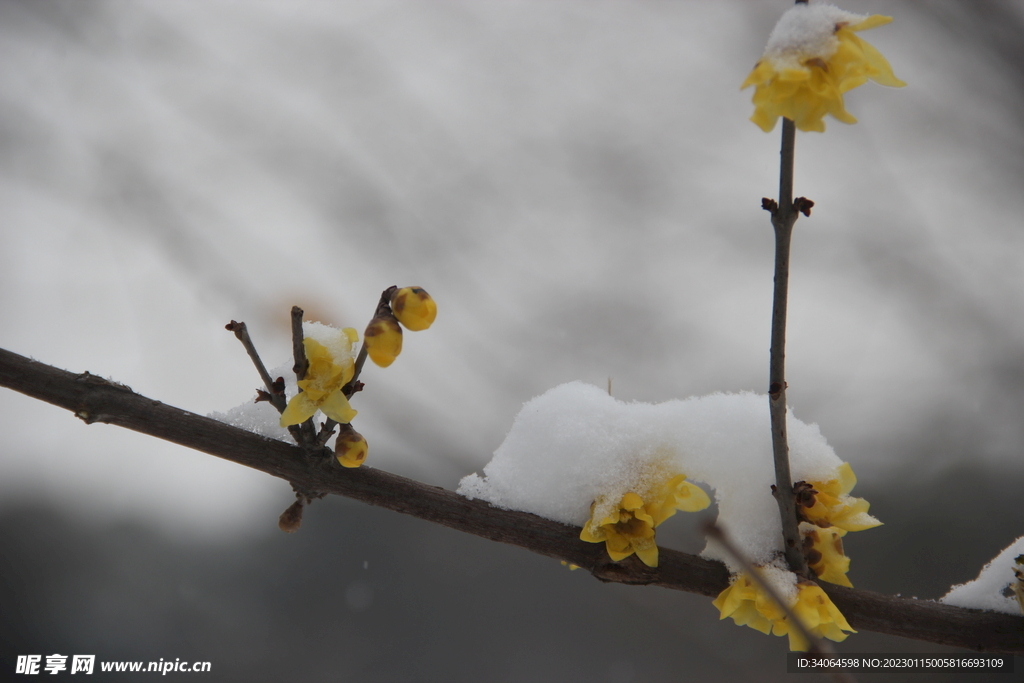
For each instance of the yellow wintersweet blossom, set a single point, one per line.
(321, 387)
(813, 57)
(823, 549)
(629, 528)
(748, 605)
(818, 615)
(833, 506)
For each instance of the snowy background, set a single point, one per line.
(577, 185)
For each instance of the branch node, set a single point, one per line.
(770, 205)
(803, 205)
(630, 571)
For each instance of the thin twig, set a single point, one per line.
(298, 349)
(277, 399)
(275, 389)
(784, 215)
(94, 399)
(307, 430)
(383, 307)
(326, 432)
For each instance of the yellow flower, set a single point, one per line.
(748, 605)
(833, 506)
(823, 549)
(630, 528)
(383, 339)
(675, 494)
(813, 57)
(818, 615)
(414, 308)
(321, 387)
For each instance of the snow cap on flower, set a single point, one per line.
(575, 445)
(812, 58)
(331, 366)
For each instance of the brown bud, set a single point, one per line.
(291, 519)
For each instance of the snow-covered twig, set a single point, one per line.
(94, 399)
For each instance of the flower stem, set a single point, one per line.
(307, 429)
(383, 306)
(784, 216)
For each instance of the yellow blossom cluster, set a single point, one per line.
(749, 605)
(330, 370)
(410, 306)
(804, 81)
(629, 527)
(827, 512)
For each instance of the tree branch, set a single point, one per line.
(784, 216)
(94, 399)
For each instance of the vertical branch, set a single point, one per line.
(784, 215)
(307, 429)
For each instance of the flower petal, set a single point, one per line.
(299, 409)
(337, 407)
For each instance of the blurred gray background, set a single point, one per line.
(577, 185)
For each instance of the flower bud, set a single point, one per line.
(414, 308)
(351, 447)
(291, 519)
(383, 339)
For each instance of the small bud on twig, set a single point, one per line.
(291, 519)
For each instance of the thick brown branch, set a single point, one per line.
(94, 399)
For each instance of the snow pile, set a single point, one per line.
(576, 444)
(807, 32)
(989, 590)
(262, 418)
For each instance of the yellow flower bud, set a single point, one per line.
(383, 339)
(351, 447)
(414, 308)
